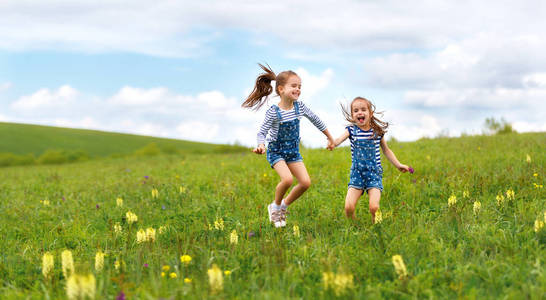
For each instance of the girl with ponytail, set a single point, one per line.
(281, 131)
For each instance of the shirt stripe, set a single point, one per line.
(270, 127)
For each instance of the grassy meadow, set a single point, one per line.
(212, 208)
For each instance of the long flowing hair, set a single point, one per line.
(263, 87)
(379, 127)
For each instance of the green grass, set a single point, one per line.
(35, 139)
(449, 252)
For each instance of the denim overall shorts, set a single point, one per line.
(365, 173)
(287, 145)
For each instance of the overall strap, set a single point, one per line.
(278, 112)
(297, 108)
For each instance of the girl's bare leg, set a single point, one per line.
(375, 196)
(286, 180)
(350, 202)
(304, 181)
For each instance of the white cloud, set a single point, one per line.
(494, 98)
(132, 96)
(5, 86)
(198, 131)
(535, 80)
(312, 84)
(185, 28)
(44, 98)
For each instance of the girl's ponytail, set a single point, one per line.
(262, 89)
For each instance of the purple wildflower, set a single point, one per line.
(411, 170)
(251, 234)
(163, 207)
(145, 265)
(121, 296)
(97, 206)
(146, 176)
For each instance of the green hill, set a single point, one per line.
(35, 139)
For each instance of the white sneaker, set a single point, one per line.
(274, 215)
(284, 212)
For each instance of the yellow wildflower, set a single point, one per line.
(399, 266)
(67, 263)
(296, 230)
(173, 275)
(162, 229)
(150, 234)
(119, 202)
(81, 286)
(342, 282)
(182, 190)
(227, 272)
(187, 280)
(47, 264)
(162, 274)
(155, 193)
(45, 202)
(141, 236)
(185, 259)
(117, 228)
(510, 195)
(466, 194)
(339, 283)
(131, 217)
(500, 199)
(327, 279)
(477, 207)
(528, 158)
(233, 237)
(378, 217)
(265, 174)
(538, 225)
(99, 261)
(87, 286)
(545, 216)
(165, 268)
(452, 200)
(219, 224)
(72, 287)
(216, 279)
(535, 174)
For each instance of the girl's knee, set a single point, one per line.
(286, 181)
(349, 209)
(305, 184)
(373, 208)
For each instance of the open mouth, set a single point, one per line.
(360, 119)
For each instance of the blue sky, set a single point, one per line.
(182, 69)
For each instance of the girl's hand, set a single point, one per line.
(260, 149)
(330, 145)
(404, 168)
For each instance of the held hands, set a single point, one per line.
(260, 149)
(331, 144)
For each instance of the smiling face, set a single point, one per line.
(360, 112)
(291, 89)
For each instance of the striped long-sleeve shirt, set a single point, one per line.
(270, 126)
(359, 134)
